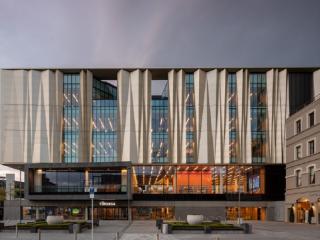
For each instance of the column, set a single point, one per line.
(85, 121)
(134, 101)
(10, 186)
(38, 180)
(86, 214)
(37, 213)
(177, 116)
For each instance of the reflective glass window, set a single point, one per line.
(71, 112)
(190, 117)
(105, 121)
(232, 105)
(159, 122)
(258, 112)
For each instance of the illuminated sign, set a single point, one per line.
(75, 211)
(107, 204)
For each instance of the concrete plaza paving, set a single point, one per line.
(146, 230)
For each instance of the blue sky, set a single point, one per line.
(164, 33)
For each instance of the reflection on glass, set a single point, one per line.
(105, 119)
(108, 180)
(258, 105)
(232, 102)
(71, 111)
(190, 118)
(69, 181)
(152, 213)
(61, 181)
(159, 127)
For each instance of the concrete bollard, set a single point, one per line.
(75, 235)
(39, 234)
(117, 236)
(157, 236)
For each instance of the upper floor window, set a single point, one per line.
(312, 175)
(311, 119)
(298, 178)
(311, 147)
(298, 152)
(71, 117)
(298, 126)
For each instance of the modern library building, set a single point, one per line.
(154, 143)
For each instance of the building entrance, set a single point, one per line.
(304, 211)
(247, 213)
(152, 213)
(110, 213)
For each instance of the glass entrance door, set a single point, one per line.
(105, 213)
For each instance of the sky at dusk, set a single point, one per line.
(166, 33)
(159, 34)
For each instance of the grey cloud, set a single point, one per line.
(166, 33)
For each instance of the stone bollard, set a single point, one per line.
(75, 235)
(39, 234)
(117, 236)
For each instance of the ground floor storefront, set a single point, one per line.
(303, 210)
(246, 213)
(137, 213)
(144, 192)
(142, 210)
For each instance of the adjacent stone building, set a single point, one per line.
(303, 164)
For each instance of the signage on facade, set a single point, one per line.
(107, 204)
(91, 192)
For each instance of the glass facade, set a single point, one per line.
(246, 213)
(152, 213)
(232, 102)
(159, 128)
(258, 105)
(109, 180)
(68, 213)
(114, 213)
(77, 181)
(190, 120)
(105, 119)
(71, 112)
(197, 179)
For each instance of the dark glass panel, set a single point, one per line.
(105, 122)
(71, 112)
(232, 102)
(258, 111)
(159, 128)
(190, 117)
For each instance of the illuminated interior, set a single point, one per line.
(246, 213)
(195, 179)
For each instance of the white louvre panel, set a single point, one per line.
(134, 89)
(31, 114)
